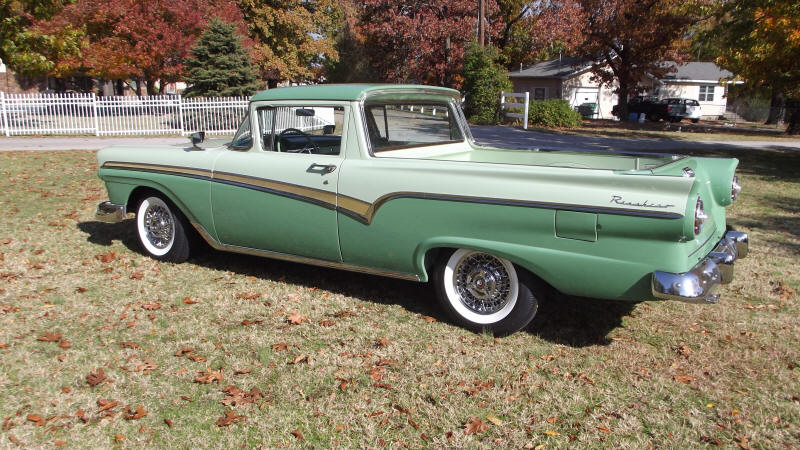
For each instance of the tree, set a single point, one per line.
(760, 42)
(536, 30)
(31, 51)
(292, 37)
(130, 39)
(422, 40)
(219, 65)
(484, 80)
(628, 40)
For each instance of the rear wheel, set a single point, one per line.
(483, 292)
(162, 230)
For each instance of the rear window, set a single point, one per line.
(394, 125)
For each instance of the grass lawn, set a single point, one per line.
(101, 346)
(685, 130)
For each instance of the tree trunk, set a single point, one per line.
(272, 84)
(139, 86)
(622, 101)
(151, 86)
(793, 107)
(777, 110)
(119, 88)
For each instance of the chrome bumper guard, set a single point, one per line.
(109, 212)
(697, 285)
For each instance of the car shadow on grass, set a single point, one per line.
(564, 320)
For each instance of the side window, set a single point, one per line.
(243, 139)
(265, 118)
(315, 130)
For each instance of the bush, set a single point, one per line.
(484, 79)
(554, 113)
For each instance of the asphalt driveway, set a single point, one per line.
(499, 136)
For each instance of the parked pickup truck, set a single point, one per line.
(672, 109)
(387, 180)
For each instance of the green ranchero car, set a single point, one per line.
(387, 180)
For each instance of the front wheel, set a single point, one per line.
(161, 230)
(483, 292)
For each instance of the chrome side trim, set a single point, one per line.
(361, 210)
(109, 212)
(299, 259)
(697, 285)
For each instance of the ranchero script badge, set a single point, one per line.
(645, 204)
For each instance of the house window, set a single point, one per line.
(538, 93)
(706, 94)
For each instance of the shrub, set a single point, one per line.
(555, 112)
(484, 79)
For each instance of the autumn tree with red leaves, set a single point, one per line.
(131, 39)
(407, 40)
(629, 39)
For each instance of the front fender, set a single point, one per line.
(121, 187)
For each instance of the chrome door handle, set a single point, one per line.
(325, 168)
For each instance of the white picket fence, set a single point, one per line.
(31, 114)
(505, 106)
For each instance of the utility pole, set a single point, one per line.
(481, 13)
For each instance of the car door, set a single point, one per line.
(280, 194)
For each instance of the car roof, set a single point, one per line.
(349, 91)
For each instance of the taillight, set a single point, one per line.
(735, 188)
(700, 216)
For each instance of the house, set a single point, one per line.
(571, 80)
(698, 80)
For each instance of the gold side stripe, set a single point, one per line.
(299, 259)
(364, 211)
(316, 194)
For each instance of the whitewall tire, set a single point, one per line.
(161, 230)
(483, 292)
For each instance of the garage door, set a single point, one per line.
(584, 95)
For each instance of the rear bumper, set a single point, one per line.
(109, 212)
(697, 285)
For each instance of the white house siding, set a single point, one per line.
(581, 88)
(710, 109)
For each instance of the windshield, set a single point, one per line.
(393, 125)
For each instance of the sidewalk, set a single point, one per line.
(496, 136)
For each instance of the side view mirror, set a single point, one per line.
(197, 138)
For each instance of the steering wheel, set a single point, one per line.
(308, 148)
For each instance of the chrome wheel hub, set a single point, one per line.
(482, 283)
(158, 226)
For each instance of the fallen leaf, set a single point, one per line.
(131, 414)
(551, 433)
(494, 420)
(248, 295)
(248, 322)
(81, 414)
(296, 432)
(298, 359)
(49, 337)
(382, 342)
(96, 377)
(552, 419)
(63, 343)
(15, 441)
(295, 318)
(184, 351)
(229, 418)
(475, 426)
(327, 323)
(246, 370)
(36, 419)
(280, 347)
(150, 306)
(131, 345)
(81, 289)
(190, 301)
(106, 257)
(210, 376)
(604, 429)
(684, 379)
(168, 422)
(106, 405)
(429, 319)
(119, 437)
(137, 275)
(59, 443)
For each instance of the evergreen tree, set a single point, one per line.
(484, 79)
(219, 65)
